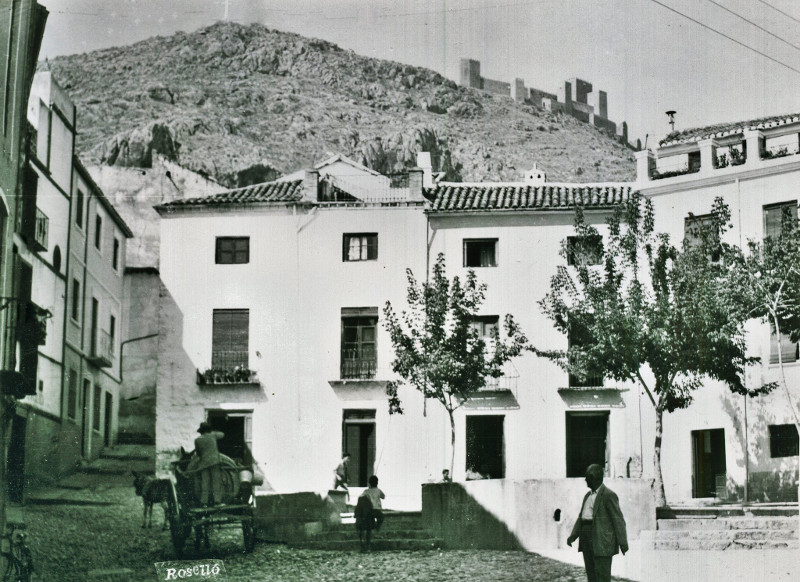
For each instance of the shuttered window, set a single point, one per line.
(232, 250)
(774, 214)
(230, 338)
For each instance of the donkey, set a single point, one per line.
(152, 491)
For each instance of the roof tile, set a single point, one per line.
(725, 129)
(275, 192)
(454, 197)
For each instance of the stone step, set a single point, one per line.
(728, 523)
(377, 544)
(722, 534)
(721, 545)
(706, 511)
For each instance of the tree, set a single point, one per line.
(653, 315)
(437, 349)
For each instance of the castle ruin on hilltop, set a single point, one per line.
(575, 97)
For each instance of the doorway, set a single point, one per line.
(709, 476)
(85, 435)
(485, 447)
(15, 464)
(358, 439)
(108, 418)
(237, 428)
(587, 441)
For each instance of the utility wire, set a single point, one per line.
(789, 16)
(761, 28)
(730, 38)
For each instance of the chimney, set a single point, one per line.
(415, 180)
(535, 176)
(645, 165)
(424, 162)
(311, 185)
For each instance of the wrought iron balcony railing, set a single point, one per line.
(358, 368)
(228, 367)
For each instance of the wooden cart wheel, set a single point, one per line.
(249, 534)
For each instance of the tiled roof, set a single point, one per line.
(454, 197)
(276, 192)
(725, 129)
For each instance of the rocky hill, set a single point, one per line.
(245, 103)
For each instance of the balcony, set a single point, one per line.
(38, 242)
(102, 354)
(228, 368)
(26, 327)
(358, 368)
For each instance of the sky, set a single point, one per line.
(712, 61)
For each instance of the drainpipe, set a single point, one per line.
(122, 351)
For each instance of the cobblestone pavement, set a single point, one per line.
(105, 541)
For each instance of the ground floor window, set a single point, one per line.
(358, 439)
(709, 476)
(485, 447)
(237, 426)
(783, 440)
(587, 441)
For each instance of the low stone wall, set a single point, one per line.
(291, 517)
(505, 514)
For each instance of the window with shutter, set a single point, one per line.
(231, 250)
(774, 215)
(230, 338)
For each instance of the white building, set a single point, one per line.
(287, 281)
(711, 447)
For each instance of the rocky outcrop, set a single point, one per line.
(232, 97)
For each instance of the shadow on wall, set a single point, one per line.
(536, 514)
(452, 514)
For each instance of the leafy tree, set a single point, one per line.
(437, 349)
(654, 315)
(764, 282)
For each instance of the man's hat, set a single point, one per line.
(204, 427)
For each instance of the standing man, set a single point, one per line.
(600, 527)
(340, 474)
(208, 460)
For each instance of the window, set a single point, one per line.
(359, 355)
(96, 407)
(79, 208)
(486, 326)
(697, 227)
(72, 394)
(230, 338)
(586, 441)
(98, 231)
(783, 440)
(584, 250)
(789, 350)
(57, 259)
(775, 214)
(232, 250)
(579, 336)
(360, 247)
(485, 447)
(76, 299)
(480, 252)
(112, 333)
(358, 439)
(115, 255)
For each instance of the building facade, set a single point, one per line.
(22, 321)
(725, 444)
(273, 330)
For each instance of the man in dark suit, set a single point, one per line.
(600, 527)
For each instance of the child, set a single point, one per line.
(375, 495)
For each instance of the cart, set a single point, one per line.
(185, 513)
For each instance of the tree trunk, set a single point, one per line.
(661, 498)
(452, 442)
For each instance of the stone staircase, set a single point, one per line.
(401, 530)
(726, 528)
